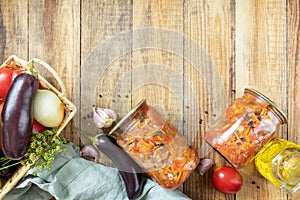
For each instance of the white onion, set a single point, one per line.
(48, 110)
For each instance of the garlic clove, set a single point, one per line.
(205, 165)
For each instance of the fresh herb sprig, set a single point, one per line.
(42, 150)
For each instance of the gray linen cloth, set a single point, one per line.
(75, 178)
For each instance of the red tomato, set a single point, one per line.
(5, 81)
(37, 127)
(227, 179)
(1, 108)
(6, 77)
(16, 72)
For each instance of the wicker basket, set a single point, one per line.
(70, 110)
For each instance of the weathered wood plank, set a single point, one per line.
(261, 64)
(293, 41)
(102, 61)
(13, 29)
(165, 16)
(54, 35)
(211, 25)
(294, 67)
(157, 72)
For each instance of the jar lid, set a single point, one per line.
(278, 111)
(133, 110)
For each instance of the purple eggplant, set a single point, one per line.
(131, 173)
(17, 116)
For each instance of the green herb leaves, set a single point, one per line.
(42, 150)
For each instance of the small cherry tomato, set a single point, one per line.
(37, 127)
(227, 179)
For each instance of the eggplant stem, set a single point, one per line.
(92, 138)
(30, 70)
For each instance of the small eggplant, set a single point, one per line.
(89, 151)
(131, 173)
(17, 115)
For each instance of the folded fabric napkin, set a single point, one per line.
(73, 177)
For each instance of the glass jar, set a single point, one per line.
(156, 146)
(245, 127)
(279, 162)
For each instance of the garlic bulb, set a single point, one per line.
(104, 117)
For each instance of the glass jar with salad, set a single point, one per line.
(245, 127)
(163, 153)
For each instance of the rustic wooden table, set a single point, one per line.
(107, 55)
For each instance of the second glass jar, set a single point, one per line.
(246, 126)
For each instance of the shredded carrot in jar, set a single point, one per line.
(162, 152)
(246, 126)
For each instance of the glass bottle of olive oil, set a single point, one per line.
(279, 162)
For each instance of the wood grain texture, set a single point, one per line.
(211, 25)
(156, 84)
(293, 41)
(293, 67)
(100, 22)
(13, 29)
(165, 16)
(54, 35)
(261, 63)
(251, 43)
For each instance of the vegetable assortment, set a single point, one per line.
(24, 141)
(29, 116)
(40, 153)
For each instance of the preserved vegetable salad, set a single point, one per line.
(157, 146)
(249, 123)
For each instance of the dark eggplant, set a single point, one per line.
(17, 116)
(131, 173)
(129, 170)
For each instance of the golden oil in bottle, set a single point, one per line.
(279, 162)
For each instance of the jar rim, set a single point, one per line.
(127, 116)
(278, 111)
